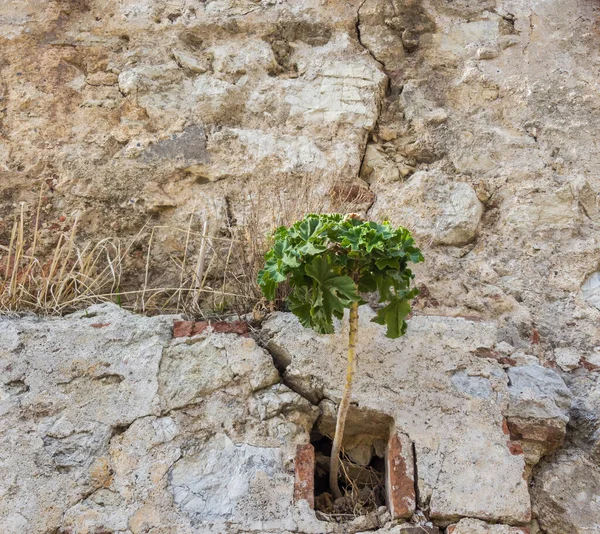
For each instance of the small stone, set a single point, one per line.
(591, 290)
(487, 52)
(436, 116)
(567, 358)
(361, 453)
(475, 526)
(387, 134)
(128, 81)
(364, 522)
(188, 62)
(410, 40)
(102, 78)
(505, 349)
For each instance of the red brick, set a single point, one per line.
(193, 328)
(514, 447)
(546, 432)
(182, 328)
(400, 483)
(304, 467)
(232, 327)
(588, 365)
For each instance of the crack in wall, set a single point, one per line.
(380, 104)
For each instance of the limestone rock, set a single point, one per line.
(435, 208)
(191, 371)
(566, 494)
(404, 379)
(224, 481)
(591, 290)
(78, 391)
(537, 413)
(567, 358)
(474, 526)
(110, 424)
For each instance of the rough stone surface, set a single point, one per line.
(124, 429)
(567, 494)
(453, 424)
(473, 122)
(439, 211)
(482, 112)
(474, 526)
(591, 290)
(538, 411)
(567, 484)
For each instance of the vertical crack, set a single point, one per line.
(380, 104)
(416, 475)
(359, 38)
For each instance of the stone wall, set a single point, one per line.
(110, 424)
(473, 123)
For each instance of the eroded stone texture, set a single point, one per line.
(438, 210)
(124, 429)
(453, 427)
(78, 390)
(474, 526)
(567, 494)
(538, 411)
(567, 484)
(137, 109)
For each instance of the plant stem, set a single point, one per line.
(344, 404)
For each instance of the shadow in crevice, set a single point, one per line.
(362, 467)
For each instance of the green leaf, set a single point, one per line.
(267, 284)
(327, 259)
(393, 316)
(382, 263)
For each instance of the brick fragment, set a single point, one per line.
(514, 447)
(400, 482)
(193, 328)
(304, 467)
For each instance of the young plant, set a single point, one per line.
(328, 261)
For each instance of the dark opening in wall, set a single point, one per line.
(363, 484)
(376, 467)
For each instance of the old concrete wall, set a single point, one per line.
(110, 424)
(473, 123)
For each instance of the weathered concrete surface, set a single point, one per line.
(135, 109)
(447, 399)
(538, 411)
(474, 526)
(110, 425)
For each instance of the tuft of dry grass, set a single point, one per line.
(213, 272)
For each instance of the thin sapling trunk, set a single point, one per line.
(334, 464)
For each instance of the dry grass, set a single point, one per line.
(211, 272)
